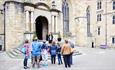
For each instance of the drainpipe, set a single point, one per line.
(4, 30)
(106, 24)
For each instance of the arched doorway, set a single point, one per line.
(41, 27)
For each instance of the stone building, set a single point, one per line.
(89, 22)
(95, 22)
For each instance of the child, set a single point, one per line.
(44, 50)
(59, 53)
(26, 46)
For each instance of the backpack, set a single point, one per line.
(44, 46)
(23, 50)
(53, 52)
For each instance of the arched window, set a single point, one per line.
(65, 11)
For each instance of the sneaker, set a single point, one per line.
(65, 66)
(26, 67)
(33, 65)
(58, 63)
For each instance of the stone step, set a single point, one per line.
(77, 53)
(14, 53)
(17, 51)
(10, 55)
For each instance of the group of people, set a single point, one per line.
(40, 51)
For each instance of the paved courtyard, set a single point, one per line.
(90, 59)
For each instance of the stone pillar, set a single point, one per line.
(56, 23)
(27, 21)
(52, 24)
(32, 22)
(32, 25)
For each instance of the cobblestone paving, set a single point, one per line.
(91, 59)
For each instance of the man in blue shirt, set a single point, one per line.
(36, 52)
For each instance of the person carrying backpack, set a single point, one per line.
(59, 53)
(52, 50)
(26, 53)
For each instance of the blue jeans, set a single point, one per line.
(25, 61)
(71, 61)
(67, 60)
(53, 59)
(59, 59)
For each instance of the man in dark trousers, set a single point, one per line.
(72, 46)
(50, 37)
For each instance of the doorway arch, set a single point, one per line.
(41, 26)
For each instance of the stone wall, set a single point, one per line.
(1, 25)
(14, 15)
(1, 22)
(15, 22)
(2, 42)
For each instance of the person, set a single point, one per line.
(50, 37)
(66, 51)
(59, 53)
(59, 37)
(52, 50)
(27, 50)
(71, 55)
(44, 51)
(36, 52)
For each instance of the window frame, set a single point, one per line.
(113, 3)
(113, 40)
(113, 19)
(65, 11)
(99, 30)
(99, 5)
(99, 17)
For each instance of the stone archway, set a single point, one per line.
(41, 27)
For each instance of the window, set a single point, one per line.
(29, 20)
(99, 5)
(65, 11)
(113, 20)
(98, 30)
(113, 40)
(99, 17)
(113, 5)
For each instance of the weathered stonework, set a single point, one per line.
(21, 16)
